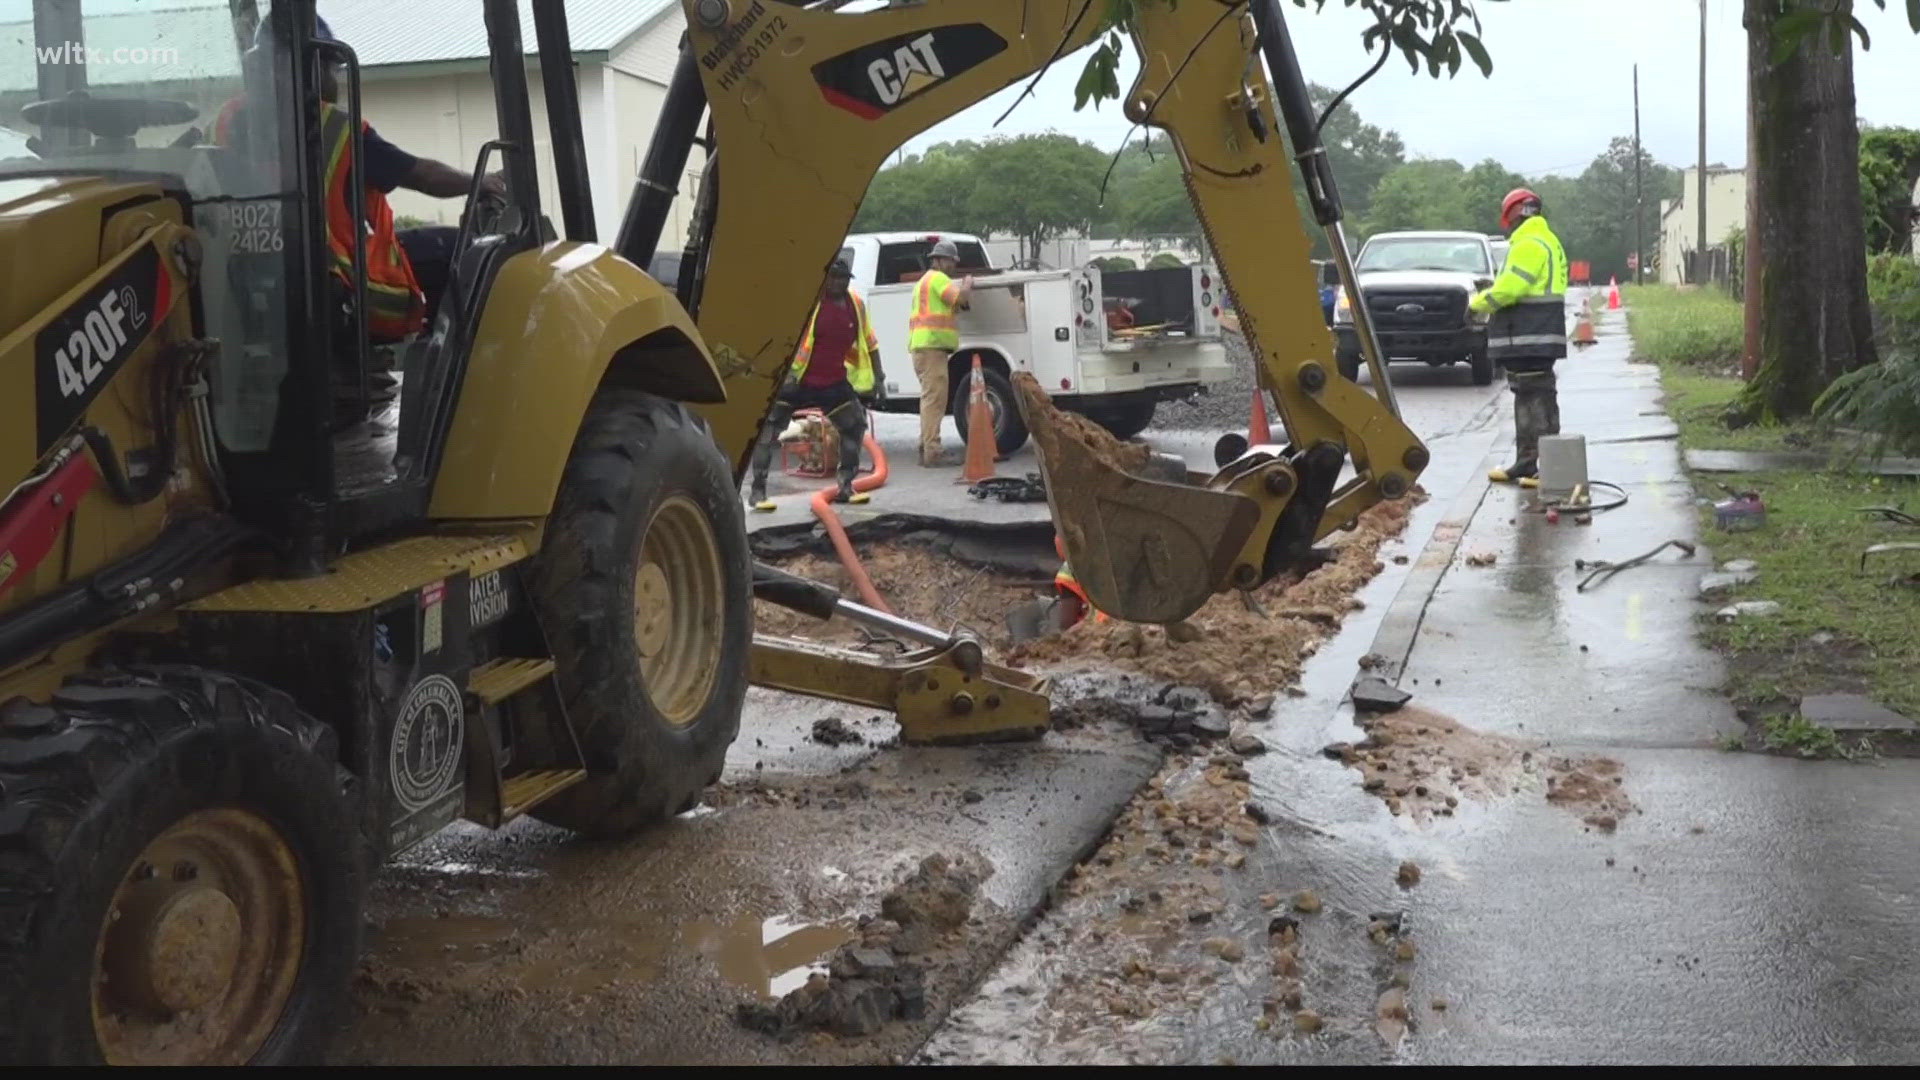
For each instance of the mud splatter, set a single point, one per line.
(1423, 765)
(1594, 789)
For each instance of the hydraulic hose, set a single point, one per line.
(849, 558)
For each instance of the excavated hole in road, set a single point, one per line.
(951, 574)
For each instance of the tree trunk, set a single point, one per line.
(1810, 289)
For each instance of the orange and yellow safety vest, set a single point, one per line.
(932, 324)
(859, 358)
(1066, 582)
(396, 307)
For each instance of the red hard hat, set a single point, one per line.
(1512, 201)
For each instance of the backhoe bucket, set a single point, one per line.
(1145, 550)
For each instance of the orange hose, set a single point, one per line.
(823, 509)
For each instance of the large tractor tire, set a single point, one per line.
(1124, 421)
(181, 877)
(643, 584)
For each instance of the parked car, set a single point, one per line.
(1416, 286)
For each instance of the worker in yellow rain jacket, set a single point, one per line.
(1527, 329)
(933, 333)
(837, 371)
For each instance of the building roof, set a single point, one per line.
(384, 32)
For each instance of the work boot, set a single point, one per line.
(935, 459)
(846, 494)
(757, 498)
(1525, 473)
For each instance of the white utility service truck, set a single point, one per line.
(1110, 346)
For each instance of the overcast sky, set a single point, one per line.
(1562, 84)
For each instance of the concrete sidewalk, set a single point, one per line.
(1753, 910)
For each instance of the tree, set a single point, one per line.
(1036, 187)
(1806, 240)
(925, 191)
(1889, 169)
(1361, 153)
(1594, 213)
(1430, 31)
(1153, 204)
(1421, 194)
(1482, 190)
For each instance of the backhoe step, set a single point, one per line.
(497, 680)
(529, 789)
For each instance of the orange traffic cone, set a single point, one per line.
(1583, 329)
(1613, 294)
(980, 442)
(1258, 431)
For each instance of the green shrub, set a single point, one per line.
(1697, 327)
(1893, 285)
(1883, 399)
(1163, 261)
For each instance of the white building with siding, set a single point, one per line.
(427, 90)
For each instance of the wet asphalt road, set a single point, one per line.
(1754, 910)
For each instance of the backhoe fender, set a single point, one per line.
(559, 322)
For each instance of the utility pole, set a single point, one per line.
(1700, 240)
(1639, 193)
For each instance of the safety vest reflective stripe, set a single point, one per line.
(859, 358)
(395, 305)
(1066, 581)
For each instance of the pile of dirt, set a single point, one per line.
(1241, 653)
(1036, 405)
(869, 982)
(1422, 764)
(938, 895)
(917, 583)
(833, 731)
(1592, 788)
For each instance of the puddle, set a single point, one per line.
(451, 937)
(768, 957)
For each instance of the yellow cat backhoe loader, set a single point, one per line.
(246, 654)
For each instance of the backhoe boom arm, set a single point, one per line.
(807, 104)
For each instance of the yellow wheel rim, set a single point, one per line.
(201, 946)
(679, 608)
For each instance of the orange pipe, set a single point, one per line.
(823, 509)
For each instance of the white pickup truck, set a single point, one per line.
(1110, 346)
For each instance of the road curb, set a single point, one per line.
(1401, 624)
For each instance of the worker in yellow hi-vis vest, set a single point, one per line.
(933, 333)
